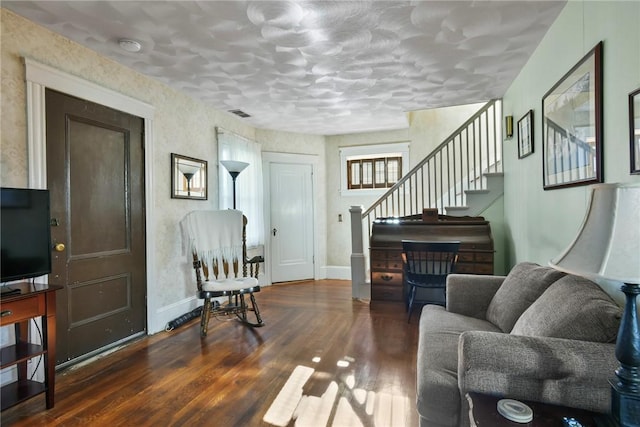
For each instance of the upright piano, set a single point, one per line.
(475, 255)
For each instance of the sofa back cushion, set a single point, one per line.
(522, 286)
(573, 308)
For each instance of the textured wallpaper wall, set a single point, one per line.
(181, 125)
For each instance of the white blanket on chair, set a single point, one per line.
(213, 235)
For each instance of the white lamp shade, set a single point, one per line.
(234, 166)
(608, 243)
(188, 169)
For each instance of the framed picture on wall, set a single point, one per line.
(634, 130)
(525, 135)
(572, 126)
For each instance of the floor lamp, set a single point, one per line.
(234, 168)
(608, 247)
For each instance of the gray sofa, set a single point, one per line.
(536, 334)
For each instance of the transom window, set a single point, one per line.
(380, 172)
(372, 169)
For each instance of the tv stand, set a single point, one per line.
(6, 291)
(34, 300)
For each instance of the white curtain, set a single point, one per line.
(248, 184)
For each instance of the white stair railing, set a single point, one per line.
(440, 180)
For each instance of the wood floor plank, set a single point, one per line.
(233, 376)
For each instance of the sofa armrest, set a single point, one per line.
(470, 294)
(551, 370)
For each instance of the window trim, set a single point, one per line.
(398, 149)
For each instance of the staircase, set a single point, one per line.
(477, 201)
(461, 177)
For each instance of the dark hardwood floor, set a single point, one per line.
(322, 359)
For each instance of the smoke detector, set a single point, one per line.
(130, 45)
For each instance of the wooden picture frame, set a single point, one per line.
(188, 178)
(525, 135)
(572, 126)
(634, 130)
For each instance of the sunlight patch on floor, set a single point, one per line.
(345, 415)
(389, 410)
(281, 410)
(341, 404)
(315, 411)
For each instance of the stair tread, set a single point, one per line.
(488, 174)
(477, 191)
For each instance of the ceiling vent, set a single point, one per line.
(240, 113)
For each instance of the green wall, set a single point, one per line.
(540, 224)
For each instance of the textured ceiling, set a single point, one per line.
(318, 67)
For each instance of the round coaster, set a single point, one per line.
(515, 411)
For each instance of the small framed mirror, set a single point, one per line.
(634, 130)
(188, 178)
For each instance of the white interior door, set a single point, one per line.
(291, 233)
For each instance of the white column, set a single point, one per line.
(359, 285)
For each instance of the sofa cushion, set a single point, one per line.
(522, 286)
(438, 396)
(573, 308)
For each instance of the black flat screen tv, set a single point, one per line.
(25, 233)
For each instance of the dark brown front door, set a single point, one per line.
(95, 172)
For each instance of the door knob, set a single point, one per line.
(59, 247)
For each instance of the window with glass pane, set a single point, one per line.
(367, 173)
(393, 170)
(381, 172)
(354, 177)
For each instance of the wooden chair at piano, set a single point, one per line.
(217, 242)
(427, 265)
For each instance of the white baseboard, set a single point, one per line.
(337, 272)
(169, 312)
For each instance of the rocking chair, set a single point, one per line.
(217, 241)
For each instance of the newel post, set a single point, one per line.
(358, 278)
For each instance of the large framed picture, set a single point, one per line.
(525, 135)
(634, 130)
(188, 177)
(572, 126)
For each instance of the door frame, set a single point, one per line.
(40, 77)
(269, 157)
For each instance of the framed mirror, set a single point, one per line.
(634, 130)
(188, 178)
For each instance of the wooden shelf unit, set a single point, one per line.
(35, 300)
